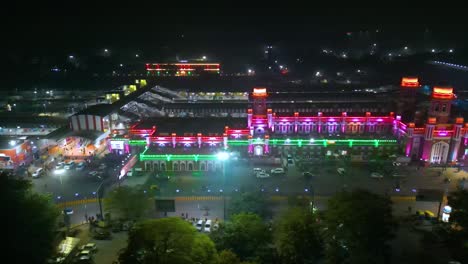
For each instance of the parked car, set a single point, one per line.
(80, 166)
(277, 171)
(255, 170)
(82, 253)
(69, 165)
(101, 234)
(341, 171)
(199, 225)
(37, 173)
(90, 247)
(397, 175)
(207, 227)
(263, 174)
(59, 165)
(307, 175)
(376, 175)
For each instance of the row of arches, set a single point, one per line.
(183, 166)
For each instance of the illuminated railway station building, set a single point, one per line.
(192, 143)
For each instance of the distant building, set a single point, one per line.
(183, 69)
(14, 152)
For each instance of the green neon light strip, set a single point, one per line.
(137, 142)
(169, 157)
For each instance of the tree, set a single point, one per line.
(359, 225)
(459, 202)
(458, 237)
(29, 220)
(167, 240)
(128, 202)
(250, 202)
(229, 257)
(297, 237)
(246, 235)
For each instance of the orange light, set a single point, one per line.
(431, 120)
(442, 92)
(410, 82)
(459, 120)
(260, 92)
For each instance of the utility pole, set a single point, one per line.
(100, 199)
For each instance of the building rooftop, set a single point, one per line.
(194, 125)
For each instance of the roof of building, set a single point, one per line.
(180, 126)
(106, 109)
(10, 142)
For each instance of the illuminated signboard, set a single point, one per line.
(117, 145)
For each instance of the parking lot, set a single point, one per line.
(324, 179)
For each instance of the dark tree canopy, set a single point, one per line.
(29, 220)
(250, 202)
(297, 237)
(359, 226)
(127, 202)
(246, 235)
(167, 240)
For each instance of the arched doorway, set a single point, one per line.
(182, 166)
(202, 167)
(190, 166)
(439, 152)
(258, 150)
(210, 167)
(163, 166)
(175, 166)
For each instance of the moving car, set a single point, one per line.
(69, 165)
(101, 234)
(277, 171)
(376, 175)
(341, 170)
(263, 174)
(307, 175)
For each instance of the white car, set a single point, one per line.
(90, 247)
(341, 170)
(59, 165)
(207, 227)
(263, 174)
(199, 225)
(80, 166)
(277, 171)
(69, 165)
(256, 170)
(376, 175)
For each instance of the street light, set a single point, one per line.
(223, 156)
(99, 197)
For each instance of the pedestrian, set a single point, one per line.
(86, 217)
(409, 209)
(186, 215)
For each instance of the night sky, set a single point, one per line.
(225, 34)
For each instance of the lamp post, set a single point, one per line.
(99, 197)
(223, 156)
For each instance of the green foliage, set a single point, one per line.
(246, 235)
(459, 202)
(128, 202)
(359, 225)
(297, 237)
(250, 202)
(30, 222)
(167, 240)
(458, 237)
